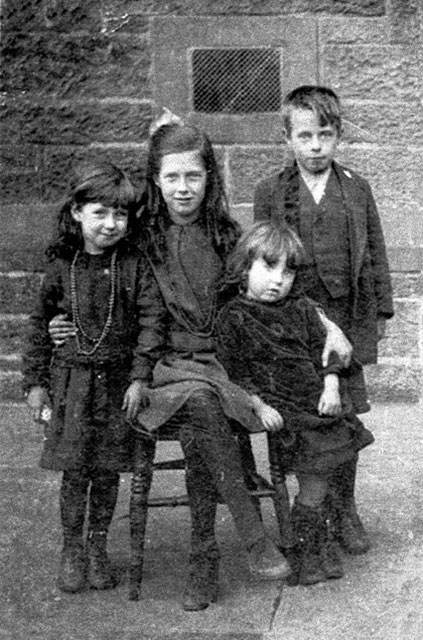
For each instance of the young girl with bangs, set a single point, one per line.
(100, 287)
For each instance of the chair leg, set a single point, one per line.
(281, 495)
(138, 508)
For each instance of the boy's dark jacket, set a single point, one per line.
(370, 277)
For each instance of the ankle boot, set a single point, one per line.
(265, 561)
(100, 572)
(203, 580)
(330, 556)
(73, 567)
(348, 528)
(73, 500)
(309, 527)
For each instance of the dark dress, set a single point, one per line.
(274, 351)
(88, 427)
(189, 281)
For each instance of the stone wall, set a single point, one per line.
(78, 81)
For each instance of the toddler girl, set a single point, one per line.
(270, 342)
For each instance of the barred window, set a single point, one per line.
(236, 81)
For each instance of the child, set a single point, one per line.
(98, 280)
(270, 342)
(188, 235)
(346, 271)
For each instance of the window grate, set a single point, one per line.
(236, 81)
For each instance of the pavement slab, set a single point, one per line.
(380, 597)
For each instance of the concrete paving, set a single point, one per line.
(381, 596)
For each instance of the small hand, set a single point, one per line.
(60, 329)
(335, 341)
(330, 403)
(270, 418)
(135, 398)
(37, 399)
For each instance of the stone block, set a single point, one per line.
(403, 331)
(58, 162)
(393, 173)
(12, 335)
(18, 292)
(243, 214)
(10, 386)
(26, 230)
(246, 7)
(383, 72)
(15, 187)
(407, 285)
(61, 15)
(405, 20)
(394, 382)
(353, 30)
(383, 123)
(76, 65)
(249, 165)
(75, 123)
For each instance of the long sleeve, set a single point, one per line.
(380, 267)
(151, 313)
(231, 350)
(39, 347)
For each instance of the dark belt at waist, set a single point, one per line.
(185, 342)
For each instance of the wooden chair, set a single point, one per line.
(140, 501)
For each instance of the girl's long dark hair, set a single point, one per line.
(214, 216)
(94, 182)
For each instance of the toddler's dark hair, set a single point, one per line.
(323, 101)
(93, 182)
(265, 240)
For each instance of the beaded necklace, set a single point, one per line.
(75, 310)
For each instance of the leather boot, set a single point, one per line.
(266, 562)
(73, 500)
(102, 502)
(348, 528)
(100, 573)
(331, 558)
(203, 580)
(73, 567)
(309, 527)
(202, 584)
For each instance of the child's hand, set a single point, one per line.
(330, 400)
(60, 329)
(335, 341)
(270, 418)
(37, 399)
(135, 398)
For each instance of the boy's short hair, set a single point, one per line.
(321, 100)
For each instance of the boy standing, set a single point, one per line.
(346, 272)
